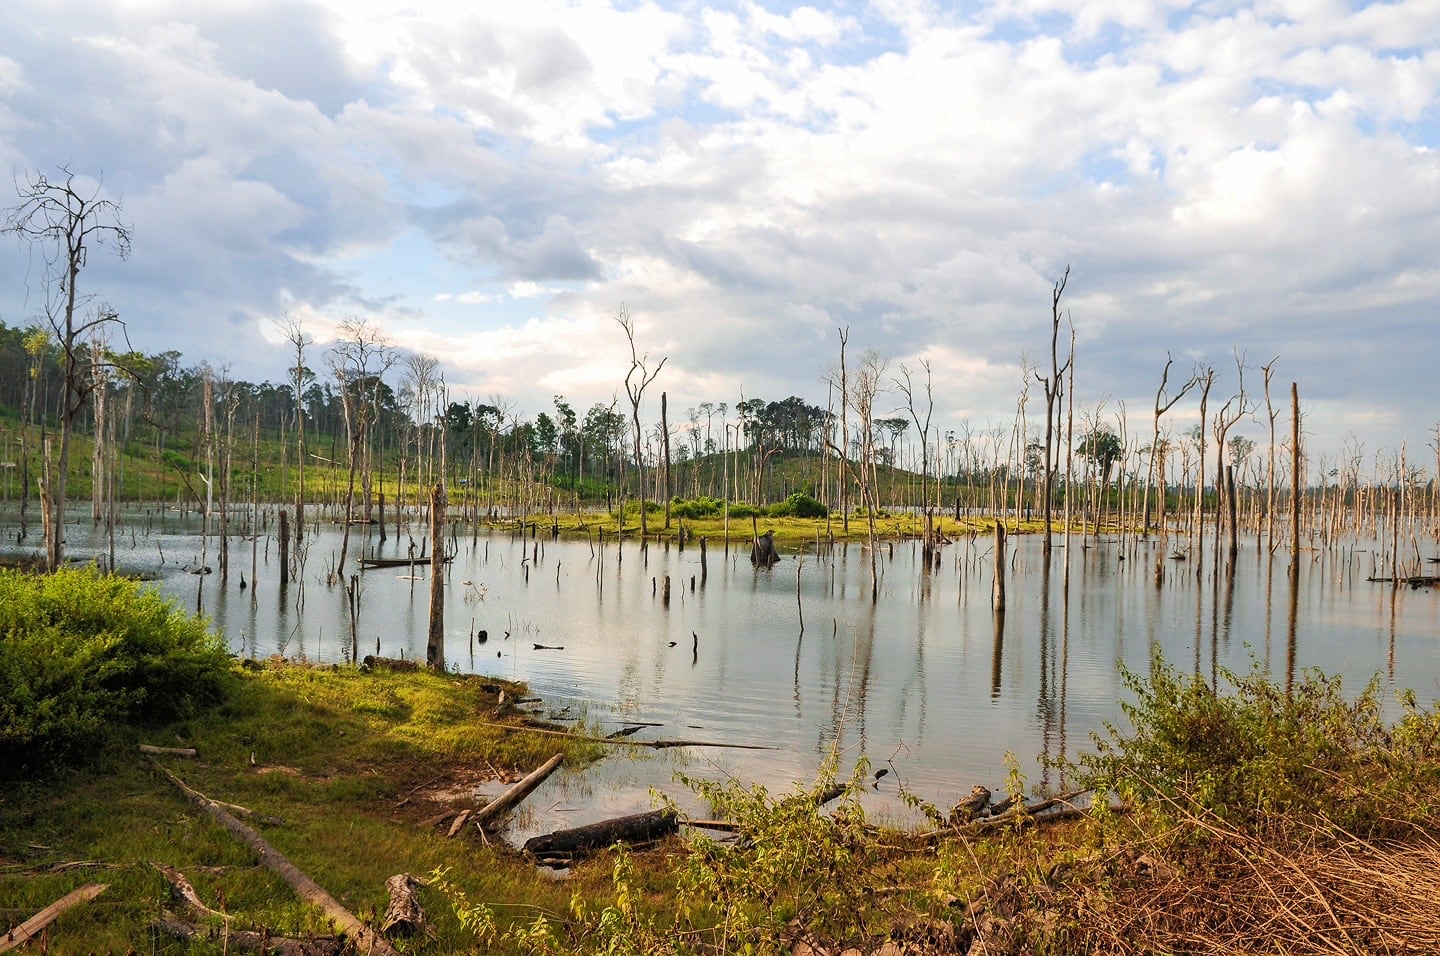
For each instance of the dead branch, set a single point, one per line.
(31, 928)
(512, 797)
(368, 940)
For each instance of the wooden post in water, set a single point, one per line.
(435, 642)
(284, 547)
(997, 598)
(704, 568)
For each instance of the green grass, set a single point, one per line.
(341, 756)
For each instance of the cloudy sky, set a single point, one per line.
(490, 182)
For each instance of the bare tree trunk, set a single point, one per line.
(665, 436)
(435, 640)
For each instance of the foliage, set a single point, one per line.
(798, 505)
(1259, 749)
(80, 651)
(789, 872)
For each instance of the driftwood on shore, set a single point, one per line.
(511, 798)
(169, 751)
(250, 941)
(36, 924)
(565, 846)
(372, 663)
(367, 940)
(404, 916)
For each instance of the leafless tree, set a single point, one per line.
(637, 379)
(359, 359)
(1052, 384)
(922, 425)
(63, 220)
(295, 334)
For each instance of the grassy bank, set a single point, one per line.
(351, 762)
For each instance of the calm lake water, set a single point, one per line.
(928, 682)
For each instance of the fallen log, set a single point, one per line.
(622, 741)
(404, 916)
(33, 926)
(572, 844)
(367, 940)
(460, 819)
(372, 663)
(822, 797)
(169, 751)
(523, 788)
(250, 941)
(370, 564)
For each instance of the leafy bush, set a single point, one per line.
(702, 507)
(1250, 750)
(81, 651)
(798, 505)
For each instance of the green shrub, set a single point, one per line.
(702, 507)
(798, 505)
(1246, 751)
(81, 651)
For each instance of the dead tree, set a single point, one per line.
(435, 642)
(1234, 409)
(63, 220)
(1052, 385)
(1271, 413)
(296, 336)
(1163, 404)
(358, 360)
(922, 425)
(637, 379)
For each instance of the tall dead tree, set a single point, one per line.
(359, 359)
(665, 459)
(1052, 384)
(62, 220)
(637, 379)
(1163, 404)
(294, 334)
(922, 425)
(1234, 409)
(1271, 413)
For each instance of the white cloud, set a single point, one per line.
(490, 182)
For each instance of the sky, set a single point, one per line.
(1229, 184)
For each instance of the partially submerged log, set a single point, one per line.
(307, 889)
(537, 728)
(404, 916)
(564, 846)
(762, 551)
(33, 926)
(523, 788)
